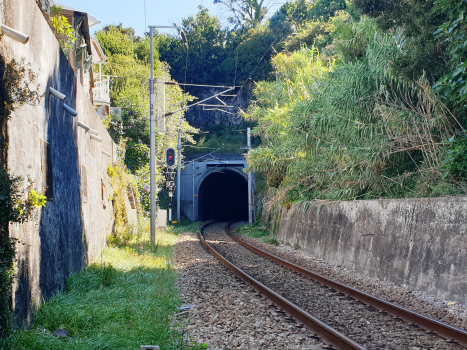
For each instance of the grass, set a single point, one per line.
(253, 231)
(124, 301)
(257, 231)
(270, 240)
(186, 225)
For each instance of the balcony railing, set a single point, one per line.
(101, 90)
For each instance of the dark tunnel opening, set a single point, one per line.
(223, 195)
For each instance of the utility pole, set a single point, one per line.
(179, 172)
(152, 131)
(161, 124)
(250, 204)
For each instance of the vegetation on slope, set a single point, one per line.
(128, 57)
(362, 120)
(127, 299)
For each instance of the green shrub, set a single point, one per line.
(63, 28)
(455, 151)
(36, 199)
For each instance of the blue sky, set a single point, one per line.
(131, 13)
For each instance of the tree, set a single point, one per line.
(128, 61)
(423, 52)
(296, 11)
(246, 13)
(453, 86)
(221, 56)
(326, 9)
(350, 128)
(206, 41)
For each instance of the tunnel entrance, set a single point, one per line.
(223, 195)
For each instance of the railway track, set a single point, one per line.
(341, 316)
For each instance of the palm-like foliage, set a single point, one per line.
(348, 130)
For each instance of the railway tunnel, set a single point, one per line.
(214, 186)
(223, 195)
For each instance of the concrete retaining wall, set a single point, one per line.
(71, 230)
(419, 243)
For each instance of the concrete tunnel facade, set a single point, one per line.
(214, 186)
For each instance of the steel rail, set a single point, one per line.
(444, 330)
(327, 333)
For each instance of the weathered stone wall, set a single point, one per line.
(419, 243)
(208, 119)
(71, 230)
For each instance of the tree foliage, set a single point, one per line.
(352, 128)
(345, 108)
(246, 13)
(221, 56)
(424, 53)
(325, 9)
(453, 86)
(128, 61)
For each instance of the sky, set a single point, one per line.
(132, 13)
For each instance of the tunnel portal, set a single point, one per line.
(223, 195)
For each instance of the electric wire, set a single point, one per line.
(191, 146)
(236, 63)
(262, 58)
(253, 70)
(201, 85)
(204, 155)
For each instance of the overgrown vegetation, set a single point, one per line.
(220, 55)
(64, 29)
(126, 300)
(253, 231)
(356, 123)
(222, 140)
(18, 86)
(128, 59)
(36, 199)
(452, 87)
(353, 99)
(123, 183)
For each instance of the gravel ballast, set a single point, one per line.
(227, 313)
(447, 311)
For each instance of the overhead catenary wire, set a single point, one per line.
(249, 76)
(201, 85)
(204, 155)
(197, 103)
(220, 86)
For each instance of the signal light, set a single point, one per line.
(170, 159)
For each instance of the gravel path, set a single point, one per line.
(227, 313)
